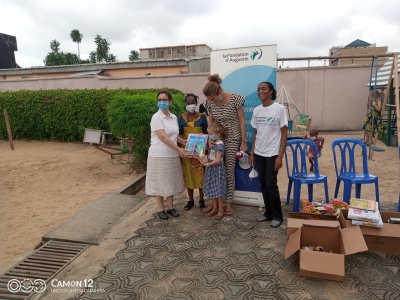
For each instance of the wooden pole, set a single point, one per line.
(388, 86)
(8, 129)
(375, 138)
(397, 96)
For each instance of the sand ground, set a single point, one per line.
(44, 183)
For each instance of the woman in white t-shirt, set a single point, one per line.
(164, 173)
(269, 141)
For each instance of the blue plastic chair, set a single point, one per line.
(297, 173)
(346, 170)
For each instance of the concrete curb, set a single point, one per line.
(133, 186)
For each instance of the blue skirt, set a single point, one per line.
(215, 181)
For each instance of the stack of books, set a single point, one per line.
(364, 213)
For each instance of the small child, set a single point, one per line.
(319, 141)
(215, 177)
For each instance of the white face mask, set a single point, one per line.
(313, 138)
(253, 173)
(191, 108)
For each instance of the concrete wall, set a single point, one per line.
(335, 97)
(187, 83)
(123, 72)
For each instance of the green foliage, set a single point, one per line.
(63, 115)
(55, 46)
(56, 115)
(134, 55)
(76, 37)
(59, 58)
(102, 52)
(130, 116)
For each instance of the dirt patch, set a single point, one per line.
(44, 183)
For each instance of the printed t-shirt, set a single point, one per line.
(268, 121)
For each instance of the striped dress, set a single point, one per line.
(228, 117)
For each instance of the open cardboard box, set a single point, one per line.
(296, 220)
(325, 265)
(384, 240)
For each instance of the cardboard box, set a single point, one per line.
(383, 240)
(297, 220)
(325, 265)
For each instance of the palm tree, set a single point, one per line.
(76, 37)
(134, 55)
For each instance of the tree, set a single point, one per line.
(134, 55)
(58, 58)
(76, 37)
(101, 53)
(55, 46)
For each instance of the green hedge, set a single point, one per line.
(130, 116)
(62, 115)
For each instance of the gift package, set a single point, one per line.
(364, 213)
(321, 208)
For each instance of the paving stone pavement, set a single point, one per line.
(197, 257)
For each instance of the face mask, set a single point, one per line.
(163, 105)
(191, 108)
(213, 138)
(313, 138)
(253, 174)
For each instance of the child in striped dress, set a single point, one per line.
(215, 185)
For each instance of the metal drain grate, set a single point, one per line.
(28, 276)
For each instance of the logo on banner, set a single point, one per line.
(243, 56)
(256, 54)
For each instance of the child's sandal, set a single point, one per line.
(219, 216)
(213, 212)
(208, 208)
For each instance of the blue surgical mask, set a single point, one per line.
(163, 105)
(213, 138)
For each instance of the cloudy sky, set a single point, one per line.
(299, 28)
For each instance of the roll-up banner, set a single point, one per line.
(241, 70)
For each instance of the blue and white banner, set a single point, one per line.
(241, 70)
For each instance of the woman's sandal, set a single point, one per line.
(208, 208)
(219, 215)
(202, 204)
(213, 212)
(189, 205)
(228, 209)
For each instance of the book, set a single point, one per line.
(368, 224)
(196, 144)
(363, 215)
(363, 204)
